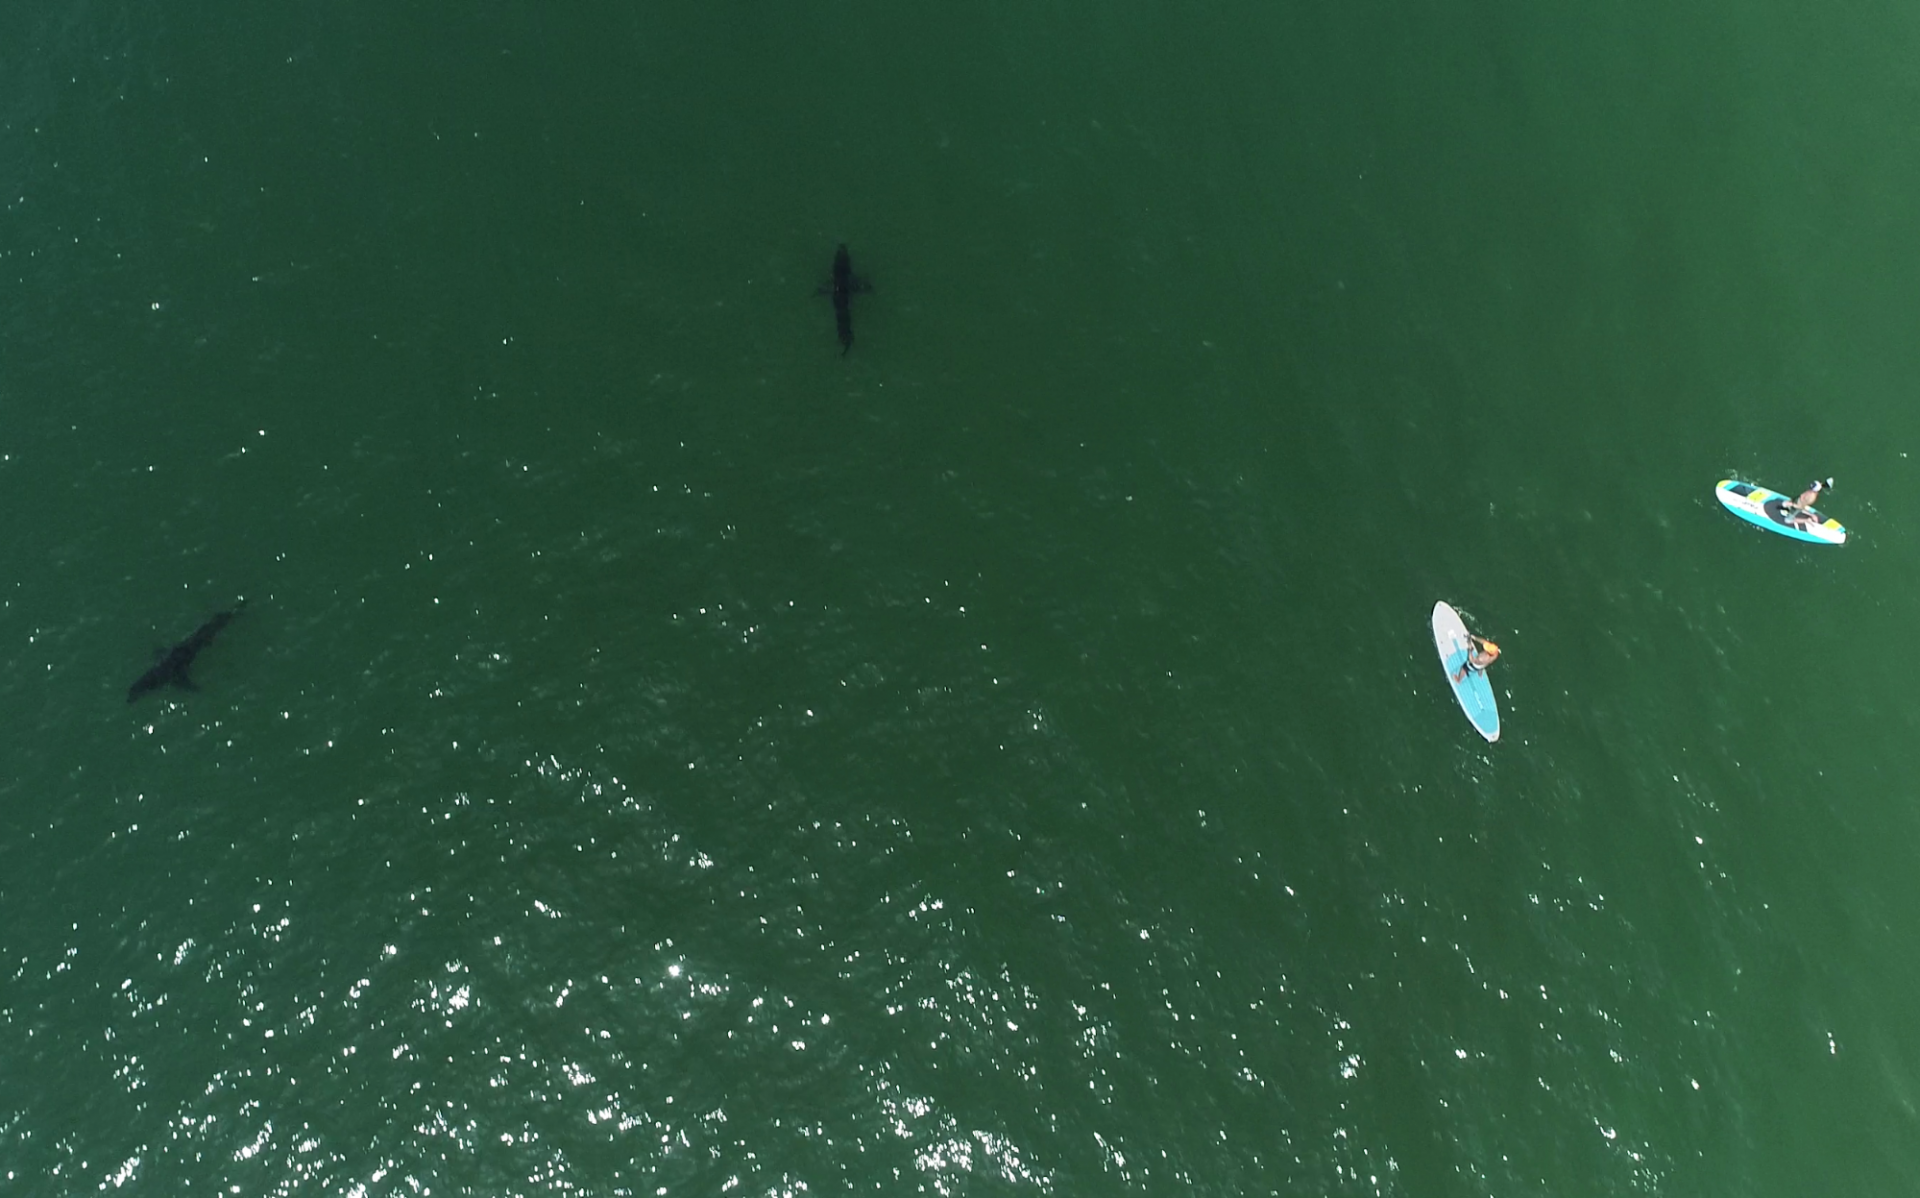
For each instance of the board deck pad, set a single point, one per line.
(1474, 692)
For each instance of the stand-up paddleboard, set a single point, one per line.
(1474, 691)
(1761, 507)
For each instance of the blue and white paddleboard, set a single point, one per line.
(1761, 507)
(1474, 691)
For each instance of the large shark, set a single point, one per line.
(845, 284)
(172, 668)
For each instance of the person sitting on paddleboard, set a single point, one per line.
(1800, 511)
(1480, 654)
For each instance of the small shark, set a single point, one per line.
(172, 668)
(845, 284)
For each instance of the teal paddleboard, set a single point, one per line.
(1473, 690)
(1768, 509)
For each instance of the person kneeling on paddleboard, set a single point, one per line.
(1480, 654)
(1801, 509)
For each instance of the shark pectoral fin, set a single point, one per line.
(862, 285)
(182, 681)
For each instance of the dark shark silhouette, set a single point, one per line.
(845, 284)
(172, 668)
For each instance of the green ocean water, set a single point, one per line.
(661, 755)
